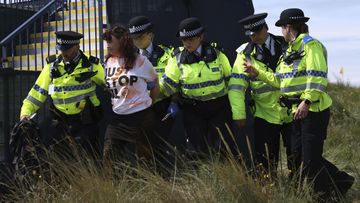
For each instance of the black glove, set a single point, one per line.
(97, 113)
(85, 76)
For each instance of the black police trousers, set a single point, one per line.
(163, 128)
(267, 145)
(307, 148)
(208, 127)
(164, 154)
(68, 133)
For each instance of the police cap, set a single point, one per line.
(290, 16)
(253, 23)
(139, 25)
(190, 27)
(67, 39)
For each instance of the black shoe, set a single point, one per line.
(344, 182)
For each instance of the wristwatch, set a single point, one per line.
(308, 102)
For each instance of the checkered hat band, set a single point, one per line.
(191, 33)
(139, 28)
(296, 17)
(252, 25)
(65, 41)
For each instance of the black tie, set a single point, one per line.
(266, 51)
(146, 53)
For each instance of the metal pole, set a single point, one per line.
(6, 107)
(101, 43)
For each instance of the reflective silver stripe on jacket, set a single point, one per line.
(296, 88)
(74, 99)
(34, 101)
(265, 89)
(236, 87)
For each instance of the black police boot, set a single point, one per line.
(344, 182)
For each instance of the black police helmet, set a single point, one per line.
(139, 25)
(190, 27)
(291, 16)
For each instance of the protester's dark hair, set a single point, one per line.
(127, 48)
(300, 27)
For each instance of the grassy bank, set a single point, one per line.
(212, 181)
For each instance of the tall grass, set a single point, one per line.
(82, 180)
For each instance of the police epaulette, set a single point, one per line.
(242, 47)
(94, 60)
(307, 39)
(216, 46)
(165, 47)
(248, 48)
(176, 52)
(51, 58)
(279, 39)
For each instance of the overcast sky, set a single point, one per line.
(335, 23)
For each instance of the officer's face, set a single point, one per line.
(144, 40)
(70, 54)
(192, 43)
(285, 29)
(259, 37)
(113, 46)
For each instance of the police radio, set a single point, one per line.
(294, 55)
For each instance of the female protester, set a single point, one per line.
(128, 77)
(199, 73)
(303, 80)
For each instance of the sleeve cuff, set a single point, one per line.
(239, 117)
(262, 75)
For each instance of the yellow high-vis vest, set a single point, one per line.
(265, 97)
(202, 80)
(66, 92)
(304, 76)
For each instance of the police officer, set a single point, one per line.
(142, 33)
(302, 77)
(263, 51)
(199, 73)
(70, 79)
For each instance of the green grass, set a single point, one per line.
(212, 181)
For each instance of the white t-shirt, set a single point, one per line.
(129, 89)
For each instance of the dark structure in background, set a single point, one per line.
(220, 18)
(17, 17)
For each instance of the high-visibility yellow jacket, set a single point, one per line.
(304, 76)
(66, 92)
(203, 79)
(159, 59)
(265, 97)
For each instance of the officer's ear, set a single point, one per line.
(201, 37)
(151, 35)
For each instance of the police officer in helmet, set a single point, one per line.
(70, 80)
(302, 78)
(270, 119)
(141, 30)
(199, 72)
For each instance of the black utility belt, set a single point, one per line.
(286, 101)
(192, 102)
(69, 117)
